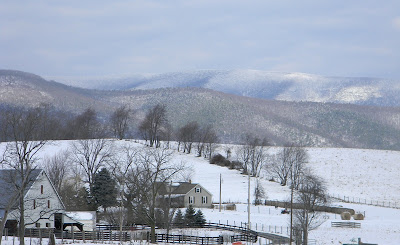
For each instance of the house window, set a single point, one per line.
(204, 199)
(191, 199)
(34, 204)
(197, 190)
(41, 189)
(48, 203)
(47, 225)
(37, 225)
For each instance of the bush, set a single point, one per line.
(217, 159)
(236, 165)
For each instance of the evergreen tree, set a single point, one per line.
(104, 189)
(189, 216)
(178, 219)
(199, 219)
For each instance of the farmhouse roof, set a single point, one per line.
(10, 183)
(176, 188)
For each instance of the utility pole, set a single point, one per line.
(248, 202)
(291, 205)
(220, 191)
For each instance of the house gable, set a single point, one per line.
(198, 197)
(41, 199)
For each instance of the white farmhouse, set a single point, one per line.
(43, 206)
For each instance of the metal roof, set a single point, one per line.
(10, 184)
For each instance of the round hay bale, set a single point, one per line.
(345, 216)
(358, 216)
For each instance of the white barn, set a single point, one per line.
(43, 205)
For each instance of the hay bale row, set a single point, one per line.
(348, 215)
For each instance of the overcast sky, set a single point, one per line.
(96, 38)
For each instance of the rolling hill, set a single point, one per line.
(311, 123)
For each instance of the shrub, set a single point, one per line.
(217, 159)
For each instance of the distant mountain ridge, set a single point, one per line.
(311, 123)
(288, 86)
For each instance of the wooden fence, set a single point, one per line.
(106, 235)
(168, 238)
(358, 200)
(124, 228)
(346, 224)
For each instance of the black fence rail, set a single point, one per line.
(168, 238)
(124, 228)
(234, 228)
(346, 224)
(106, 235)
(244, 238)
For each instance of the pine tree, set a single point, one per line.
(104, 189)
(178, 219)
(189, 216)
(199, 219)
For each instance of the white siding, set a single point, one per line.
(41, 211)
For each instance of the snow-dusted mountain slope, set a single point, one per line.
(290, 86)
(232, 116)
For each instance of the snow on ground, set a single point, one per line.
(355, 173)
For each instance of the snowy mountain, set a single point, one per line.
(261, 84)
(313, 124)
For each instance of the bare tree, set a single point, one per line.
(288, 165)
(252, 154)
(119, 121)
(152, 126)
(86, 126)
(120, 168)
(153, 166)
(311, 193)
(188, 134)
(57, 168)
(259, 193)
(27, 139)
(211, 142)
(206, 141)
(91, 155)
(9, 198)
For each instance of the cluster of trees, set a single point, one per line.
(191, 218)
(61, 125)
(127, 181)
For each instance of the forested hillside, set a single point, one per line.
(232, 116)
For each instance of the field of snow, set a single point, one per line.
(369, 175)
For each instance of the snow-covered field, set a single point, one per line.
(354, 173)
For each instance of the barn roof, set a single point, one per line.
(10, 183)
(180, 188)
